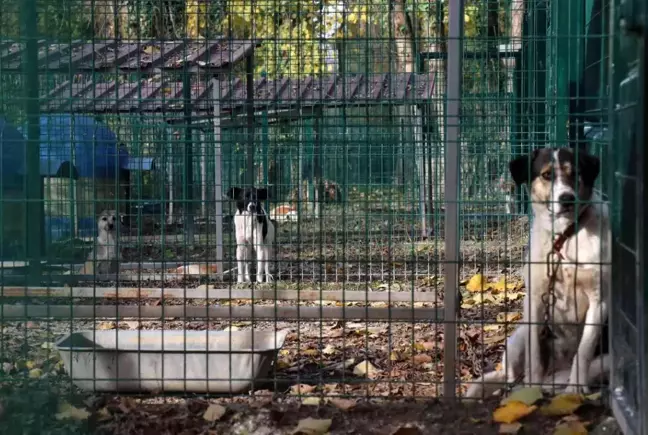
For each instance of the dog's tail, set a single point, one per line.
(486, 385)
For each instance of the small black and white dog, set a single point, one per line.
(253, 229)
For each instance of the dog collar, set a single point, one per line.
(561, 238)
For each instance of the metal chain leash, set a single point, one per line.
(554, 259)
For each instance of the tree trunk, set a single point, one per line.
(436, 68)
(103, 15)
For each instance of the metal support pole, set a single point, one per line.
(249, 82)
(218, 174)
(452, 155)
(188, 185)
(35, 221)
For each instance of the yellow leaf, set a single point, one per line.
(477, 283)
(30, 365)
(594, 396)
(214, 412)
(365, 368)
(352, 18)
(491, 328)
(419, 347)
(571, 428)
(483, 298)
(563, 404)
(512, 412)
(527, 395)
(510, 428)
(329, 350)
(312, 426)
(35, 373)
(504, 284)
(312, 401)
(310, 352)
(69, 412)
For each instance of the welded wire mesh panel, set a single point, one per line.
(627, 306)
(255, 200)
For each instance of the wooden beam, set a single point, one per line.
(220, 294)
(68, 312)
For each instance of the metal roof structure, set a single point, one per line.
(126, 57)
(166, 97)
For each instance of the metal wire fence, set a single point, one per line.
(382, 131)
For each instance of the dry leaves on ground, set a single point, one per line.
(522, 403)
(482, 291)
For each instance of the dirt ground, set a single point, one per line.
(315, 374)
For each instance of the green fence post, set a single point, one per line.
(35, 221)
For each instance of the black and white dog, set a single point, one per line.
(574, 240)
(253, 229)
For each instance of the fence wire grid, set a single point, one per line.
(382, 132)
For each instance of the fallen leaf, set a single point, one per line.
(310, 352)
(477, 283)
(343, 404)
(483, 298)
(48, 345)
(312, 426)
(594, 396)
(69, 412)
(312, 401)
(528, 396)
(302, 389)
(30, 365)
(106, 325)
(512, 412)
(571, 428)
(214, 412)
(563, 404)
(422, 358)
(504, 284)
(365, 368)
(512, 296)
(103, 414)
(430, 345)
(35, 373)
(508, 317)
(491, 328)
(329, 350)
(510, 428)
(7, 367)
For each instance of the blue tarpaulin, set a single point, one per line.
(89, 145)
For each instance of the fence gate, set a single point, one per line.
(628, 311)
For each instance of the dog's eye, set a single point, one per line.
(104, 219)
(546, 175)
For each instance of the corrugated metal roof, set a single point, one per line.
(167, 97)
(128, 56)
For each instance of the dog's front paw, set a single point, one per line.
(269, 278)
(259, 279)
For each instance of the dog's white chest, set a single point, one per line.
(244, 226)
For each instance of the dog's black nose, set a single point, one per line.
(110, 226)
(567, 199)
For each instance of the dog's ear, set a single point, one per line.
(262, 194)
(520, 167)
(234, 193)
(589, 167)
